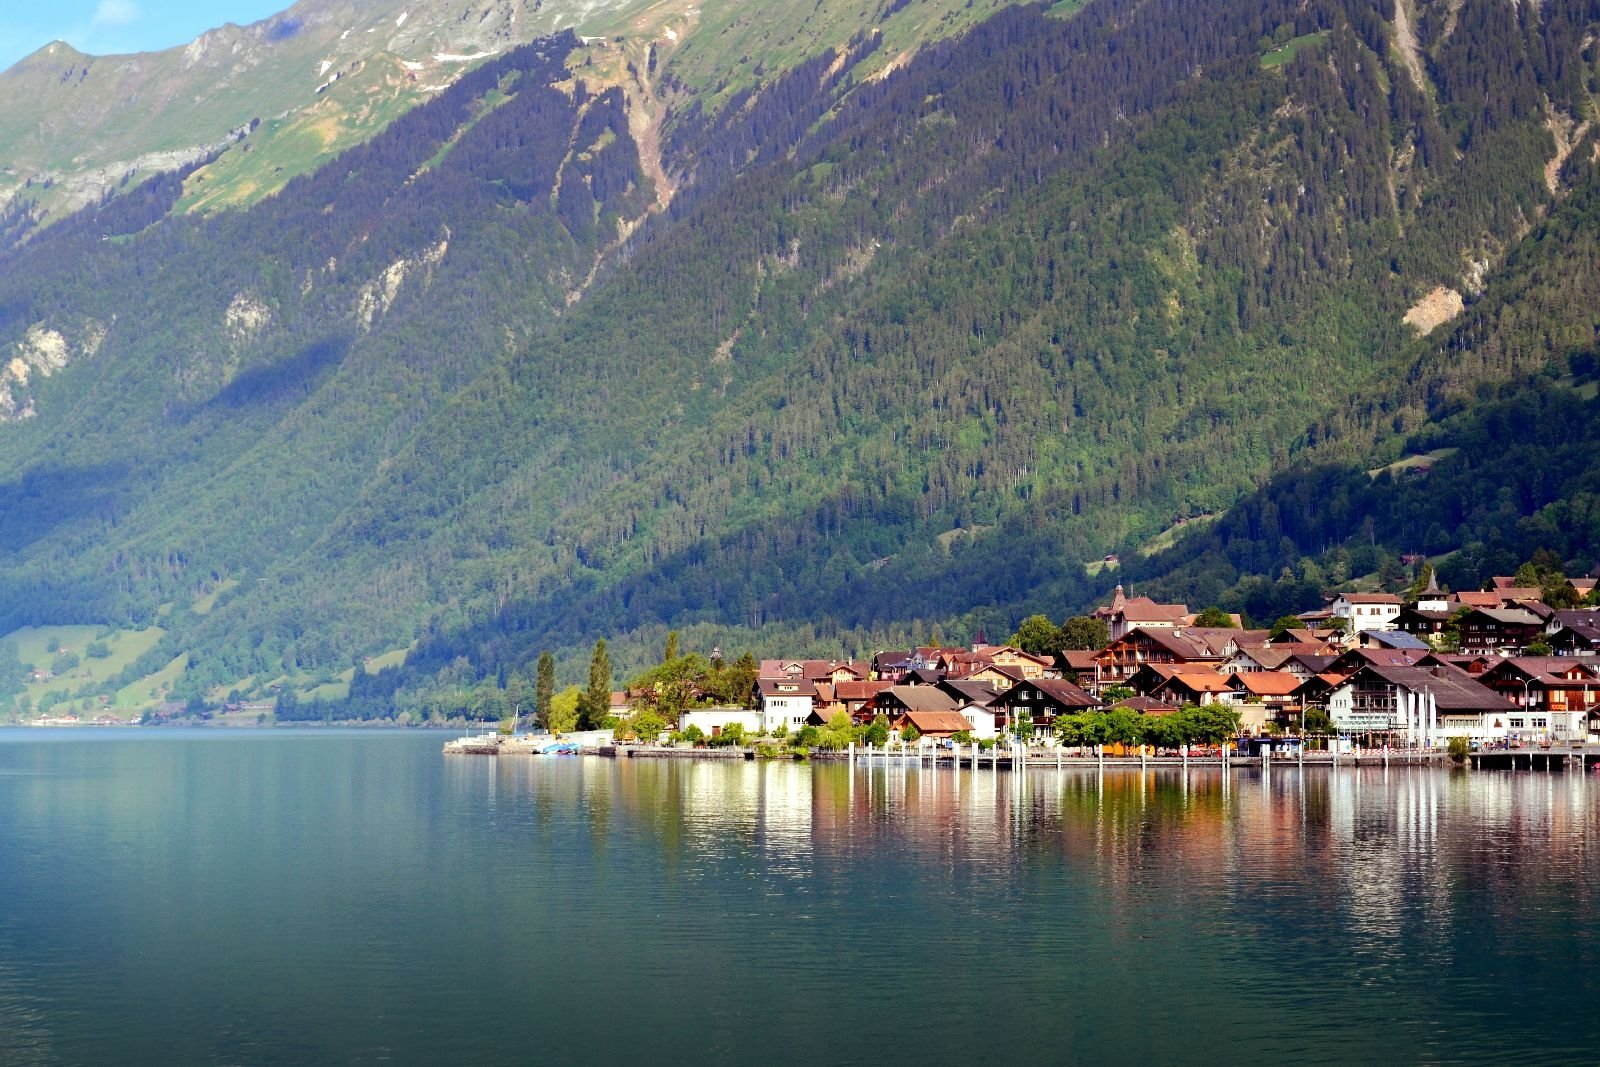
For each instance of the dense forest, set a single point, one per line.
(900, 357)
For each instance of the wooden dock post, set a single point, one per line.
(852, 753)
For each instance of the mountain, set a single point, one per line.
(820, 357)
(258, 105)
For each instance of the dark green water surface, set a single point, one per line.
(284, 897)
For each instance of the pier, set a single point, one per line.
(1573, 757)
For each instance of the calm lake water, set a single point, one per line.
(303, 897)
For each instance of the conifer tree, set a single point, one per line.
(597, 698)
(544, 688)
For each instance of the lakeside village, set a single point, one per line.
(1498, 669)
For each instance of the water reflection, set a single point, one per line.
(296, 899)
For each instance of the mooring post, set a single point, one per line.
(852, 753)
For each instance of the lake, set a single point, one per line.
(282, 896)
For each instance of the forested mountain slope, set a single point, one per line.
(901, 351)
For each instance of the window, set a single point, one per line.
(1516, 724)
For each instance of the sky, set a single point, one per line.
(104, 27)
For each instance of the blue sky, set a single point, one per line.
(102, 27)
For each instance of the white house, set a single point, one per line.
(1367, 611)
(785, 702)
(984, 723)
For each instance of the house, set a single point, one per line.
(1255, 659)
(1511, 594)
(997, 678)
(1356, 658)
(929, 657)
(983, 722)
(970, 691)
(897, 700)
(1397, 639)
(1274, 692)
(1574, 633)
(1041, 700)
(1123, 657)
(1125, 614)
(1424, 623)
(1555, 694)
(713, 721)
(890, 666)
(785, 702)
(1418, 705)
(855, 697)
(1030, 665)
(1076, 665)
(1306, 666)
(1197, 685)
(938, 725)
(1471, 600)
(1499, 629)
(1366, 611)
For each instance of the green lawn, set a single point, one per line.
(33, 645)
(1279, 56)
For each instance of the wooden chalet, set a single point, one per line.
(1123, 657)
(1546, 683)
(1499, 629)
(1041, 700)
(897, 700)
(1574, 633)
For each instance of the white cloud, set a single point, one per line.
(114, 13)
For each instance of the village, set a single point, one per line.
(1494, 669)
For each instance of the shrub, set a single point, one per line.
(1458, 749)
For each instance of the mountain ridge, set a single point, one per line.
(902, 351)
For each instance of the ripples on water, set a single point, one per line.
(307, 897)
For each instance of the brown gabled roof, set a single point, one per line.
(1178, 643)
(923, 698)
(937, 722)
(1063, 692)
(1199, 682)
(1078, 659)
(1266, 683)
(1451, 690)
(859, 690)
(1370, 598)
(1547, 669)
(1143, 609)
(1476, 600)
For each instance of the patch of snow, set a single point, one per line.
(672, 34)
(326, 63)
(451, 57)
(343, 35)
(410, 64)
(401, 21)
